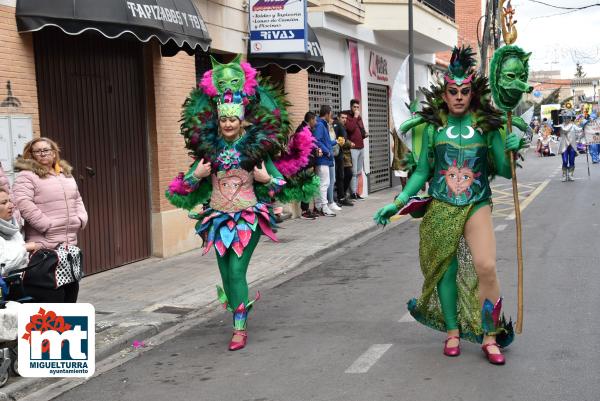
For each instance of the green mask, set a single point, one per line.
(509, 72)
(228, 77)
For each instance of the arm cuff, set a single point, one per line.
(275, 185)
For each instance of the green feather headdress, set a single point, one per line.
(460, 70)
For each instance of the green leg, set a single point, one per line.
(223, 262)
(448, 293)
(237, 287)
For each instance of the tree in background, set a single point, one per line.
(579, 71)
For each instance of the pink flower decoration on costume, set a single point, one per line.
(229, 158)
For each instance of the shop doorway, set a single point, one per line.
(379, 137)
(91, 101)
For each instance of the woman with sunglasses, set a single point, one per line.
(462, 149)
(47, 196)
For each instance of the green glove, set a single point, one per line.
(513, 142)
(383, 215)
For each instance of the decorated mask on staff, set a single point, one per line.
(509, 72)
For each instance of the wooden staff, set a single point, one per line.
(515, 188)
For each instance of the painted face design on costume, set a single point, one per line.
(459, 180)
(229, 186)
(228, 78)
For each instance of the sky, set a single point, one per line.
(558, 41)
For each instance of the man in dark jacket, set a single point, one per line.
(343, 161)
(325, 161)
(356, 134)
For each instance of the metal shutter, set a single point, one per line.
(379, 138)
(324, 89)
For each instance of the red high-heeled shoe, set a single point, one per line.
(452, 351)
(236, 345)
(494, 359)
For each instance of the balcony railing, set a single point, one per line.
(445, 7)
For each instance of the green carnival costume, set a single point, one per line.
(458, 155)
(236, 209)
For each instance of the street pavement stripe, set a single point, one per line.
(369, 358)
(530, 198)
(501, 227)
(407, 318)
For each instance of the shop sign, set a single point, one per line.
(277, 26)
(164, 14)
(378, 67)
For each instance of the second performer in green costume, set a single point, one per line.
(461, 149)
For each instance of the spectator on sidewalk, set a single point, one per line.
(356, 133)
(4, 184)
(14, 252)
(47, 196)
(331, 197)
(343, 162)
(324, 161)
(310, 121)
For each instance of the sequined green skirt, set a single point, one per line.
(441, 238)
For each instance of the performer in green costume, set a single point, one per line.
(461, 149)
(235, 128)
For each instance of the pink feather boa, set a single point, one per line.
(296, 157)
(179, 186)
(250, 84)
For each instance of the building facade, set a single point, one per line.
(113, 103)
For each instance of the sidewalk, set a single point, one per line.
(140, 300)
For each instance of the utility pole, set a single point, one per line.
(485, 37)
(411, 53)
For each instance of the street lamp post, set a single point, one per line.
(594, 84)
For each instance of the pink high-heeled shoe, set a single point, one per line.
(452, 351)
(494, 359)
(236, 345)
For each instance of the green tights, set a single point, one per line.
(233, 272)
(448, 293)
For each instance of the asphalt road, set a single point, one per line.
(340, 330)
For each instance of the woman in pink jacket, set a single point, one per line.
(46, 194)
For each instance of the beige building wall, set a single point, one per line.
(296, 87)
(17, 65)
(227, 23)
(170, 81)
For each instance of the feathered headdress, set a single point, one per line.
(230, 109)
(460, 71)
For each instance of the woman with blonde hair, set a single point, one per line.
(47, 196)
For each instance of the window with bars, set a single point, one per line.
(324, 89)
(379, 137)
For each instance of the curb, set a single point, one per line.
(23, 387)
